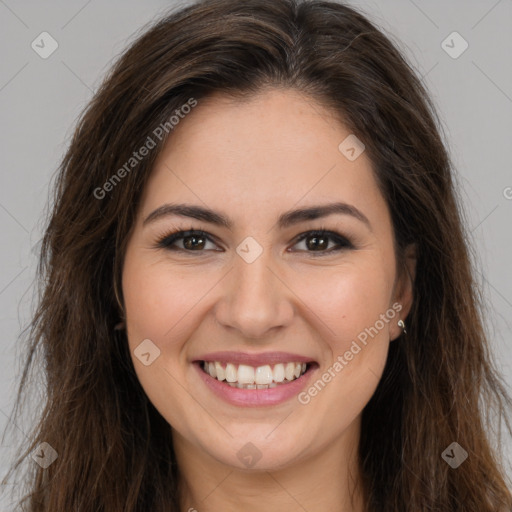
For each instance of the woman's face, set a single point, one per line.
(249, 295)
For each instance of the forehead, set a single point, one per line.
(276, 149)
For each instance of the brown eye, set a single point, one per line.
(187, 241)
(323, 242)
(194, 242)
(316, 242)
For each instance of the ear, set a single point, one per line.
(404, 288)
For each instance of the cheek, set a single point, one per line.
(347, 300)
(160, 306)
(353, 319)
(160, 301)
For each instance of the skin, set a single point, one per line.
(252, 161)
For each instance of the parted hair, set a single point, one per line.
(440, 383)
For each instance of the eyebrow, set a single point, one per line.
(285, 220)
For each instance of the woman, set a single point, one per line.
(256, 288)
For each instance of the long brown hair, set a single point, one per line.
(439, 385)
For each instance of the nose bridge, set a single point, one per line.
(255, 300)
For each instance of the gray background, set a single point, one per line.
(41, 98)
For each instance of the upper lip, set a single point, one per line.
(261, 359)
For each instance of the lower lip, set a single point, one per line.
(256, 397)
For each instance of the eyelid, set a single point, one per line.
(342, 242)
(179, 234)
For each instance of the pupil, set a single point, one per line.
(191, 241)
(316, 245)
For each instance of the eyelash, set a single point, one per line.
(166, 241)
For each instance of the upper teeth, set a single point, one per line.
(261, 375)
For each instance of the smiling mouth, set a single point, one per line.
(249, 377)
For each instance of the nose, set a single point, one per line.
(255, 300)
